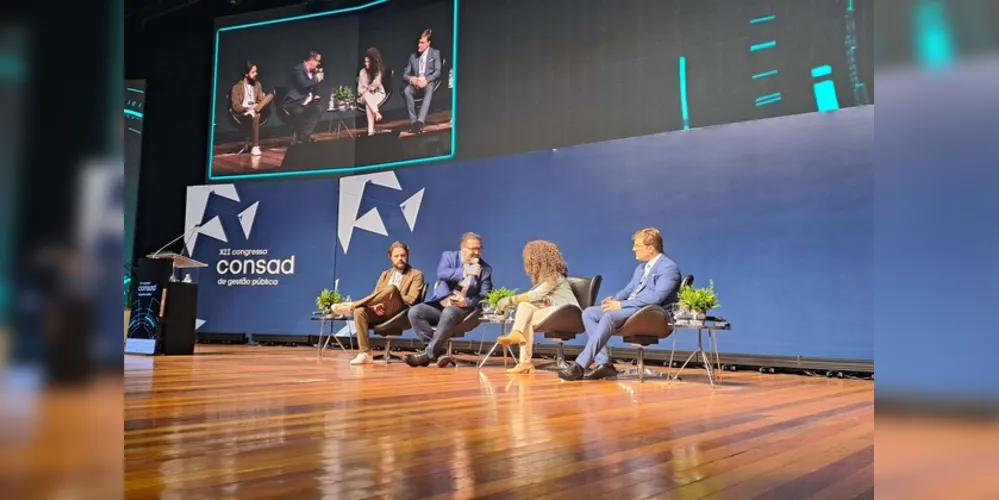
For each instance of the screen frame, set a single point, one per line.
(227, 24)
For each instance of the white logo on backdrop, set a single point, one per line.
(351, 193)
(197, 203)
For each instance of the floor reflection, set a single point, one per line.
(208, 427)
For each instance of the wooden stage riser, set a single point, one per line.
(276, 422)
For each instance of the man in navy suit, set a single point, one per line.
(301, 101)
(655, 281)
(422, 70)
(464, 281)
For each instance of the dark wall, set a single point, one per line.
(172, 53)
(536, 75)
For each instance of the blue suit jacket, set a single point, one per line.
(660, 288)
(433, 69)
(451, 271)
(301, 84)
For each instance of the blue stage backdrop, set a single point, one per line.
(269, 250)
(778, 213)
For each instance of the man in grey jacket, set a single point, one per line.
(422, 71)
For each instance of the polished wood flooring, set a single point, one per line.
(276, 422)
(226, 161)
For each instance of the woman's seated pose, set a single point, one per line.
(370, 92)
(544, 264)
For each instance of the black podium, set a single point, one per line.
(164, 307)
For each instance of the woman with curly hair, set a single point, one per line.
(370, 91)
(544, 264)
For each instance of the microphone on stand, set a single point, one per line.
(187, 235)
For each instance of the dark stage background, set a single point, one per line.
(545, 75)
(538, 74)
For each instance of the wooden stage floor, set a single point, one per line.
(274, 422)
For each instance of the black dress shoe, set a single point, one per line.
(417, 360)
(445, 361)
(571, 372)
(603, 371)
(419, 127)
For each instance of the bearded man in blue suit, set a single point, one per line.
(656, 281)
(464, 280)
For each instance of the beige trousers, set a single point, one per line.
(528, 316)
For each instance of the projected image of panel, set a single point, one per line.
(350, 90)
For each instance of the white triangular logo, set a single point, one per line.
(226, 191)
(246, 218)
(411, 208)
(213, 229)
(372, 221)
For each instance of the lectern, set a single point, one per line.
(164, 307)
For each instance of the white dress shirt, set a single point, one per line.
(396, 278)
(248, 97)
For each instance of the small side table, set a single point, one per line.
(323, 318)
(504, 322)
(339, 116)
(710, 325)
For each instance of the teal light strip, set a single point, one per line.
(764, 74)
(304, 16)
(825, 96)
(133, 113)
(768, 99)
(763, 19)
(820, 71)
(684, 114)
(934, 41)
(761, 46)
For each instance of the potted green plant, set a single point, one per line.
(327, 299)
(343, 96)
(496, 295)
(698, 301)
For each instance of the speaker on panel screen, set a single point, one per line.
(342, 91)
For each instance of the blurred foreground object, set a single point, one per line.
(932, 458)
(61, 443)
(937, 249)
(59, 417)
